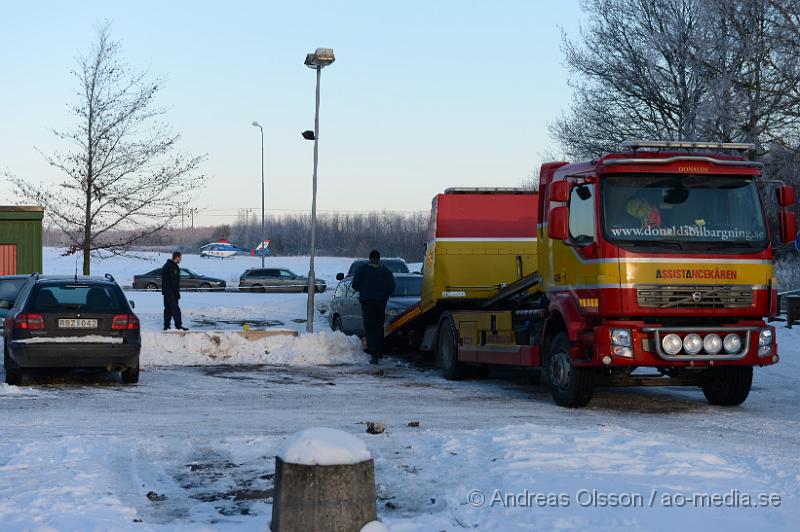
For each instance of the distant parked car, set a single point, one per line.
(71, 322)
(395, 265)
(10, 285)
(276, 280)
(345, 309)
(189, 279)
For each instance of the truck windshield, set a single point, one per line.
(664, 210)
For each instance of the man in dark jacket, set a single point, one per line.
(374, 284)
(171, 289)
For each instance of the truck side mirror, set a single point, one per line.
(786, 196)
(558, 223)
(788, 226)
(339, 276)
(559, 191)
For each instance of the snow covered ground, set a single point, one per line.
(83, 452)
(214, 310)
(192, 448)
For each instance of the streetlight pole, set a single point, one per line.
(263, 251)
(321, 58)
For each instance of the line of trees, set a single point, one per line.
(343, 234)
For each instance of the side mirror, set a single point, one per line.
(339, 276)
(132, 302)
(786, 196)
(558, 223)
(788, 226)
(559, 191)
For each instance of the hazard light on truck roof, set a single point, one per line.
(684, 145)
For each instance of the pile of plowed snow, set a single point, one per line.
(217, 347)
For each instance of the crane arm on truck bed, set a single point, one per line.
(513, 290)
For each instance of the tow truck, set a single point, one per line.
(649, 266)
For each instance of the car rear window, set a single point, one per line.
(77, 297)
(9, 290)
(394, 266)
(407, 287)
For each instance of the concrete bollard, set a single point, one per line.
(324, 481)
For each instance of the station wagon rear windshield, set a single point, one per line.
(663, 209)
(68, 298)
(407, 287)
(394, 266)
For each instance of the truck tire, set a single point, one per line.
(131, 375)
(13, 373)
(728, 385)
(570, 386)
(447, 351)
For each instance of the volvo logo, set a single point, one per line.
(697, 297)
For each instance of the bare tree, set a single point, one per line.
(123, 178)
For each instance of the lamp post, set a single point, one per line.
(256, 124)
(317, 60)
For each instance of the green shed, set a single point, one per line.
(20, 239)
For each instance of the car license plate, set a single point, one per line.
(77, 324)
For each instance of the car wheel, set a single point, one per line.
(258, 289)
(205, 287)
(13, 373)
(570, 386)
(336, 324)
(447, 351)
(728, 385)
(151, 286)
(131, 375)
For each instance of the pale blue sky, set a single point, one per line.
(424, 95)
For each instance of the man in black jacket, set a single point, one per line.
(171, 289)
(374, 284)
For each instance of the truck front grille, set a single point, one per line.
(698, 296)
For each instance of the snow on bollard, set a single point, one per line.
(324, 480)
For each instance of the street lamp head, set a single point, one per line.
(256, 124)
(320, 58)
(308, 134)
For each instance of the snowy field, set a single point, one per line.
(192, 446)
(214, 310)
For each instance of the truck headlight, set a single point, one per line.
(764, 342)
(621, 337)
(712, 344)
(732, 343)
(692, 343)
(672, 344)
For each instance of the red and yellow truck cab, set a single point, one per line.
(657, 256)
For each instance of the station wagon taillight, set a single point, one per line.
(34, 322)
(124, 321)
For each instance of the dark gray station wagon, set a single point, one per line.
(276, 280)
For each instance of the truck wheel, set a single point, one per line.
(131, 375)
(447, 351)
(570, 386)
(728, 385)
(13, 373)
